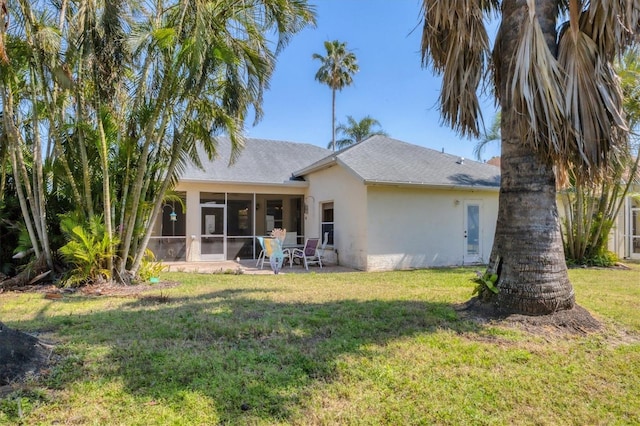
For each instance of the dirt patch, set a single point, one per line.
(126, 290)
(21, 356)
(103, 289)
(574, 321)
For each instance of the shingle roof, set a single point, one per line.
(261, 161)
(383, 160)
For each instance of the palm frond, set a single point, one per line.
(338, 66)
(536, 90)
(611, 24)
(593, 109)
(456, 40)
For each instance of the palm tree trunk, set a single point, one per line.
(333, 119)
(106, 186)
(17, 164)
(176, 149)
(527, 253)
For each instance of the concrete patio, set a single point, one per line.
(248, 267)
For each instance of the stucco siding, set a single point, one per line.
(418, 228)
(348, 194)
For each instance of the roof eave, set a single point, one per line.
(372, 182)
(288, 183)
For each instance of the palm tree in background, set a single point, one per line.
(356, 131)
(561, 107)
(336, 71)
(492, 135)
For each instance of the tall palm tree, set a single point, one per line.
(356, 131)
(561, 108)
(336, 71)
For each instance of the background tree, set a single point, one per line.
(493, 135)
(114, 98)
(591, 207)
(336, 71)
(561, 108)
(356, 131)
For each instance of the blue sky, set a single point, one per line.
(391, 86)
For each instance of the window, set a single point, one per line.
(327, 222)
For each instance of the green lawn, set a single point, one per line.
(348, 348)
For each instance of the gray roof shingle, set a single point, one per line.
(383, 160)
(261, 161)
(377, 160)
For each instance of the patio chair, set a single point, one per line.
(261, 255)
(323, 246)
(309, 254)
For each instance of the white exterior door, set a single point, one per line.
(472, 233)
(212, 232)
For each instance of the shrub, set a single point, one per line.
(89, 250)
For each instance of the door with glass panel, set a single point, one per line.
(212, 232)
(633, 227)
(472, 233)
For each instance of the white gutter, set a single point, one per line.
(291, 183)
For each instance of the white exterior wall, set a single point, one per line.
(348, 195)
(381, 228)
(418, 228)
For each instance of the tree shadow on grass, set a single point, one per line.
(254, 358)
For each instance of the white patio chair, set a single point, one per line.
(309, 254)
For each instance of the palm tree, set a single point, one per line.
(115, 96)
(356, 131)
(493, 135)
(336, 71)
(561, 108)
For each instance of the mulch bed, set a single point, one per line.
(574, 321)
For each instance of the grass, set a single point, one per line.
(349, 348)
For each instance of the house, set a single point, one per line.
(624, 239)
(384, 204)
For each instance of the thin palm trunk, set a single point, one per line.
(333, 119)
(527, 254)
(35, 194)
(157, 206)
(152, 138)
(106, 186)
(81, 144)
(20, 174)
(39, 205)
(13, 138)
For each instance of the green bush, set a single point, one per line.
(89, 250)
(149, 267)
(605, 259)
(485, 285)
